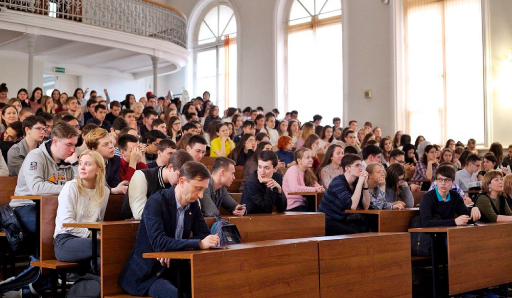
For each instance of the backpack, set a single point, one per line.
(25, 278)
(87, 286)
(502, 200)
(420, 242)
(11, 226)
(228, 233)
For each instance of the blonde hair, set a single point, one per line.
(136, 104)
(488, 178)
(44, 101)
(99, 182)
(307, 129)
(507, 183)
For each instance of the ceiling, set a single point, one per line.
(58, 51)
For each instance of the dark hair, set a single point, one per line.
(126, 111)
(68, 118)
(30, 121)
(32, 97)
(188, 126)
(347, 132)
(396, 141)
(119, 123)
(152, 135)
(368, 123)
(46, 116)
(76, 92)
(335, 119)
(222, 163)
(382, 145)
(351, 121)
(258, 150)
(248, 123)
(351, 150)
(393, 172)
(294, 112)
(472, 158)
(125, 139)
(240, 146)
(149, 112)
(323, 133)
(157, 122)
(125, 130)
(182, 143)
(366, 139)
(417, 142)
(193, 170)
(3, 88)
(445, 171)
(21, 90)
(212, 129)
(196, 139)
(115, 103)
(349, 159)
(317, 117)
(247, 110)
(405, 139)
(261, 135)
(310, 140)
(327, 159)
(396, 152)
(99, 107)
(64, 130)
(268, 155)
(424, 158)
(88, 128)
(371, 150)
(447, 142)
(178, 158)
(90, 102)
(492, 158)
(166, 143)
(17, 126)
(497, 149)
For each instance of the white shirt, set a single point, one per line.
(462, 179)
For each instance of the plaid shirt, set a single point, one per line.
(420, 172)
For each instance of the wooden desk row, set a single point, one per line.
(362, 265)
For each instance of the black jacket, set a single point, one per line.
(258, 198)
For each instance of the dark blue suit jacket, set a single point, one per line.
(156, 233)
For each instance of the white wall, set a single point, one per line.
(501, 83)
(117, 87)
(15, 74)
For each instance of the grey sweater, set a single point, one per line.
(405, 195)
(212, 200)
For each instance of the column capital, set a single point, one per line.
(31, 40)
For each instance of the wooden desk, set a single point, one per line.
(279, 268)
(391, 220)
(288, 225)
(315, 201)
(7, 189)
(478, 256)
(365, 265)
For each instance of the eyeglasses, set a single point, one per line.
(402, 162)
(357, 166)
(445, 180)
(43, 129)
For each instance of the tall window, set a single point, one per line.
(314, 59)
(444, 69)
(216, 57)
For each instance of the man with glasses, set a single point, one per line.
(34, 128)
(454, 187)
(467, 177)
(49, 124)
(197, 147)
(347, 191)
(146, 182)
(439, 206)
(45, 170)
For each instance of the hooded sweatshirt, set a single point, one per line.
(41, 175)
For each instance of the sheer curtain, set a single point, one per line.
(444, 69)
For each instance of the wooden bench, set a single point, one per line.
(390, 220)
(417, 197)
(314, 199)
(207, 160)
(7, 190)
(235, 186)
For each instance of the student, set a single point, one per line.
(98, 140)
(377, 131)
(507, 189)
(247, 127)
(251, 165)
(244, 149)
(269, 128)
(300, 178)
(377, 185)
(282, 128)
(149, 116)
(75, 110)
(49, 124)
(35, 99)
(166, 148)
(196, 147)
(489, 162)
(161, 231)
(83, 199)
(262, 137)
(174, 129)
(285, 151)
(386, 147)
(331, 165)
(44, 171)
(397, 189)
(336, 122)
(294, 130)
(397, 156)
(492, 202)
(146, 182)
(129, 116)
(361, 133)
(100, 112)
(160, 125)
(371, 154)
(91, 106)
(153, 138)
(115, 109)
(213, 115)
(312, 142)
(307, 129)
(507, 160)
(262, 188)
(216, 195)
(25, 112)
(34, 128)
(350, 140)
(396, 140)
(222, 144)
(367, 138)
(131, 157)
(347, 191)
(467, 177)
(9, 115)
(438, 207)
(427, 166)
(326, 137)
(410, 154)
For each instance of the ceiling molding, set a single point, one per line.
(12, 40)
(149, 67)
(56, 48)
(117, 60)
(161, 71)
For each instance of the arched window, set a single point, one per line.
(215, 56)
(314, 69)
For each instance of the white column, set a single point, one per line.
(31, 40)
(155, 74)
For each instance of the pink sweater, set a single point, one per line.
(293, 181)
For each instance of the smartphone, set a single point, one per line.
(239, 207)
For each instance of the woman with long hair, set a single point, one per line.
(47, 105)
(489, 162)
(269, 128)
(244, 149)
(369, 136)
(128, 102)
(174, 129)
(326, 137)
(212, 115)
(222, 144)
(377, 131)
(397, 189)
(294, 130)
(307, 129)
(426, 166)
(377, 188)
(386, 146)
(312, 143)
(331, 165)
(35, 99)
(396, 139)
(79, 95)
(3, 93)
(300, 178)
(282, 128)
(15, 103)
(138, 108)
(83, 199)
(238, 121)
(419, 140)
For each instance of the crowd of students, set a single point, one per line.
(150, 150)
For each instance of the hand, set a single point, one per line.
(467, 200)
(86, 89)
(462, 220)
(397, 207)
(319, 188)
(403, 183)
(381, 181)
(121, 188)
(239, 210)
(136, 154)
(223, 139)
(143, 148)
(165, 262)
(263, 180)
(475, 214)
(209, 241)
(314, 148)
(280, 164)
(363, 178)
(71, 159)
(505, 170)
(273, 184)
(105, 91)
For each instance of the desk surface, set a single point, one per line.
(378, 211)
(98, 225)
(35, 198)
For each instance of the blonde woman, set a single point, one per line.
(83, 199)
(307, 129)
(47, 105)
